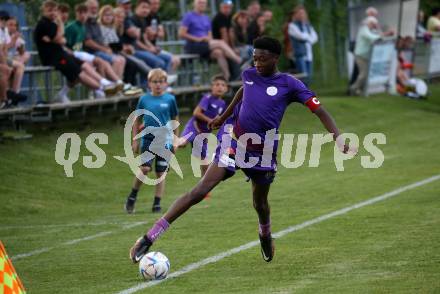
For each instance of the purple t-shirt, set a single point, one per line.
(211, 106)
(199, 25)
(265, 100)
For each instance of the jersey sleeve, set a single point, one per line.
(204, 103)
(301, 94)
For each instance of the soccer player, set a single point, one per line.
(164, 107)
(264, 97)
(210, 106)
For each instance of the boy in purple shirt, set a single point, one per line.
(264, 97)
(210, 106)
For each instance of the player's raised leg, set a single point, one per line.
(212, 177)
(260, 193)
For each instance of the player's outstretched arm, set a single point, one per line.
(330, 124)
(219, 120)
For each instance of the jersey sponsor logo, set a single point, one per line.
(164, 105)
(249, 82)
(271, 91)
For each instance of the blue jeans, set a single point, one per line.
(304, 66)
(161, 60)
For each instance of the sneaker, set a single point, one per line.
(62, 98)
(129, 205)
(156, 208)
(111, 90)
(99, 94)
(5, 104)
(119, 87)
(15, 98)
(139, 249)
(127, 87)
(267, 247)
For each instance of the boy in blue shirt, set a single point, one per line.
(164, 107)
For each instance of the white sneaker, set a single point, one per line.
(99, 94)
(62, 98)
(171, 79)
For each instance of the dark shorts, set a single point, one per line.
(69, 66)
(161, 164)
(226, 158)
(200, 48)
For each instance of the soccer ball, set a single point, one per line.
(154, 266)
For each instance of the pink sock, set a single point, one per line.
(158, 229)
(264, 230)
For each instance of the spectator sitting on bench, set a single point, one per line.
(75, 34)
(94, 42)
(155, 31)
(17, 66)
(125, 5)
(49, 39)
(240, 24)
(253, 10)
(135, 29)
(133, 65)
(18, 51)
(196, 30)
(5, 72)
(256, 28)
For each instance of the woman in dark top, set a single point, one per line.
(256, 28)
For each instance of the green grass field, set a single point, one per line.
(71, 235)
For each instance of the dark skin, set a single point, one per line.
(266, 65)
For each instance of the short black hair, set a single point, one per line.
(4, 15)
(219, 77)
(435, 10)
(267, 43)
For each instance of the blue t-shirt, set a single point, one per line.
(164, 108)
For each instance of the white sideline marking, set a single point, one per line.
(102, 223)
(215, 258)
(91, 237)
(75, 241)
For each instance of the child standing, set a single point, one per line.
(163, 108)
(210, 106)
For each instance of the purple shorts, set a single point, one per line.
(199, 151)
(225, 157)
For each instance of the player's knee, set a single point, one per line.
(145, 169)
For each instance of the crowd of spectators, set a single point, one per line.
(112, 48)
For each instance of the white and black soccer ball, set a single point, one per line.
(154, 266)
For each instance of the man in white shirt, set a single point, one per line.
(303, 36)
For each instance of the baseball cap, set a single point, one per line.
(124, 1)
(227, 2)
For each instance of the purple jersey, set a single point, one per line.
(211, 107)
(265, 100)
